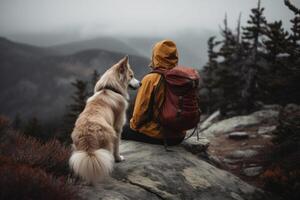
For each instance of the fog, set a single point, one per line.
(52, 22)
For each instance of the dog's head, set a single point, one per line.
(125, 74)
(119, 77)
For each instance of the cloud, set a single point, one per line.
(89, 18)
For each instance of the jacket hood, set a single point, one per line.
(164, 55)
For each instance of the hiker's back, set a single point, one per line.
(180, 110)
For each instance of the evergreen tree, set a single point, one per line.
(229, 79)
(241, 47)
(229, 42)
(212, 54)
(79, 100)
(17, 123)
(254, 30)
(209, 69)
(277, 41)
(252, 41)
(295, 37)
(33, 128)
(238, 29)
(94, 79)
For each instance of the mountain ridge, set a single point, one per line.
(36, 81)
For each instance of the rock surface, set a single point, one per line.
(252, 171)
(266, 129)
(196, 146)
(238, 135)
(149, 172)
(238, 154)
(241, 122)
(210, 120)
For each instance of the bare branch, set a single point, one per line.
(292, 7)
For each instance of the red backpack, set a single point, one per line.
(180, 110)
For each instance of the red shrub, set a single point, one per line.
(4, 123)
(51, 156)
(285, 183)
(19, 181)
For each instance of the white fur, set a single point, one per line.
(93, 97)
(92, 167)
(134, 83)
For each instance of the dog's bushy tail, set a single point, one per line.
(92, 166)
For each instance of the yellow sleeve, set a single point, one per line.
(140, 112)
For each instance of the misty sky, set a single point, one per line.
(139, 23)
(90, 18)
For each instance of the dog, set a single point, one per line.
(97, 132)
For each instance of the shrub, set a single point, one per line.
(283, 175)
(51, 156)
(283, 182)
(4, 123)
(20, 181)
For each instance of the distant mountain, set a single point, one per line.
(36, 81)
(105, 43)
(192, 47)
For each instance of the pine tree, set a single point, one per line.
(212, 54)
(252, 41)
(254, 30)
(241, 47)
(79, 100)
(295, 37)
(33, 128)
(238, 29)
(93, 81)
(17, 123)
(209, 69)
(277, 41)
(229, 70)
(229, 42)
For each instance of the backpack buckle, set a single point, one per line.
(178, 113)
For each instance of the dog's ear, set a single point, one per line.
(123, 64)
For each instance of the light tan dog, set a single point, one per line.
(97, 131)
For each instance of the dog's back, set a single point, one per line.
(93, 136)
(97, 131)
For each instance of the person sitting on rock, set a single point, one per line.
(144, 125)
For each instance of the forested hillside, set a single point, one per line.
(253, 64)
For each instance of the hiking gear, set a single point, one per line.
(180, 110)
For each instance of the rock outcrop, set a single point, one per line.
(239, 143)
(149, 172)
(239, 123)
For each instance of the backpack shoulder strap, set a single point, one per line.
(162, 79)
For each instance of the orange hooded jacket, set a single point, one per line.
(145, 116)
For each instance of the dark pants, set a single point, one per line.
(129, 134)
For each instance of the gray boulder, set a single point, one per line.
(266, 129)
(149, 172)
(241, 122)
(272, 107)
(239, 154)
(194, 145)
(252, 171)
(238, 135)
(210, 120)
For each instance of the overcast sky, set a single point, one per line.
(91, 18)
